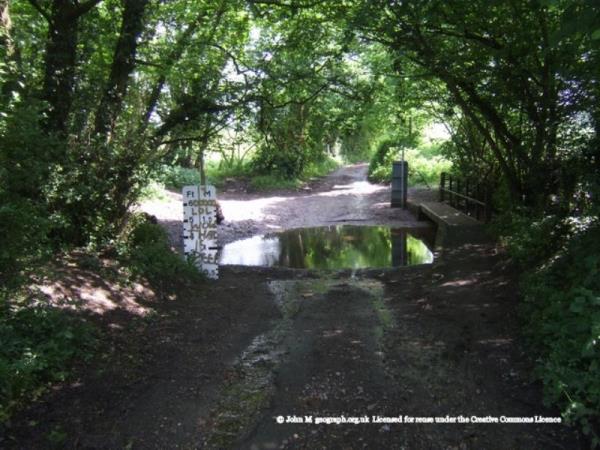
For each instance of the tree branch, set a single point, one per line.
(173, 57)
(41, 10)
(488, 42)
(82, 8)
(292, 4)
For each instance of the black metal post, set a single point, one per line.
(399, 183)
(442, 185)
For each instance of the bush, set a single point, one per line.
(175, 177)
(530, 241)
(24, 216)
(23, 237)
(320, 168)
(148, 254)
(380, 157)
(217, 172)
(425, 163)
(561, 311)
(39, 345)
(283, 163)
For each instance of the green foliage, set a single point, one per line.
(148, 254)
(273, 182)
(175, 177)
(57, 437)
(561, 310)
(318, 168)
(153, 191)
(39, 344)
(23, 237)
(380, 157)
(218, 172)
(72, 165)
(425, 163)
(528, 240)
(496, 110)
(286, 163)
(560, 258)
(24, 216)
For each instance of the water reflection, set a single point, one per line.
(335, 247)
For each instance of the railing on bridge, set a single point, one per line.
(472, 198)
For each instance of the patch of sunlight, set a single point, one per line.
(97, 299)
(238, 210)
(459, 283)
(356, 188)
(170, 208)
(496, 342)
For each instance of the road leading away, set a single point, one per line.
(269, 358)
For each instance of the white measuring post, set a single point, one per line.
(200, 227)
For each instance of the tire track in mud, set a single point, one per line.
(322, 357)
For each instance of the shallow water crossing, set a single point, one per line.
(333, 247)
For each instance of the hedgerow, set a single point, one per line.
(560, 310)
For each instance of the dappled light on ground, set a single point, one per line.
(85, 290)
(465, 282)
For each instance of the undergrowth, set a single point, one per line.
(425, 163)
(39, 346)
(175, 177)
(147, 253)
(41, 343)
(561, 311)
(314, 169)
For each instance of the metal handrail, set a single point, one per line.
(455, 197)
(471, 199)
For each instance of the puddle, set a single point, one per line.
(334, 247)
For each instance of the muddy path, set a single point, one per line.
(257, 358)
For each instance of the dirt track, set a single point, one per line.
(343, 197)
(220, 364)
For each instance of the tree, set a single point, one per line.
(505, 76)
(120, 80)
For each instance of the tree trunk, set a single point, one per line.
(10, 53)
(5, 29)
(173, 57)
(122, 65)
(60, 59)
